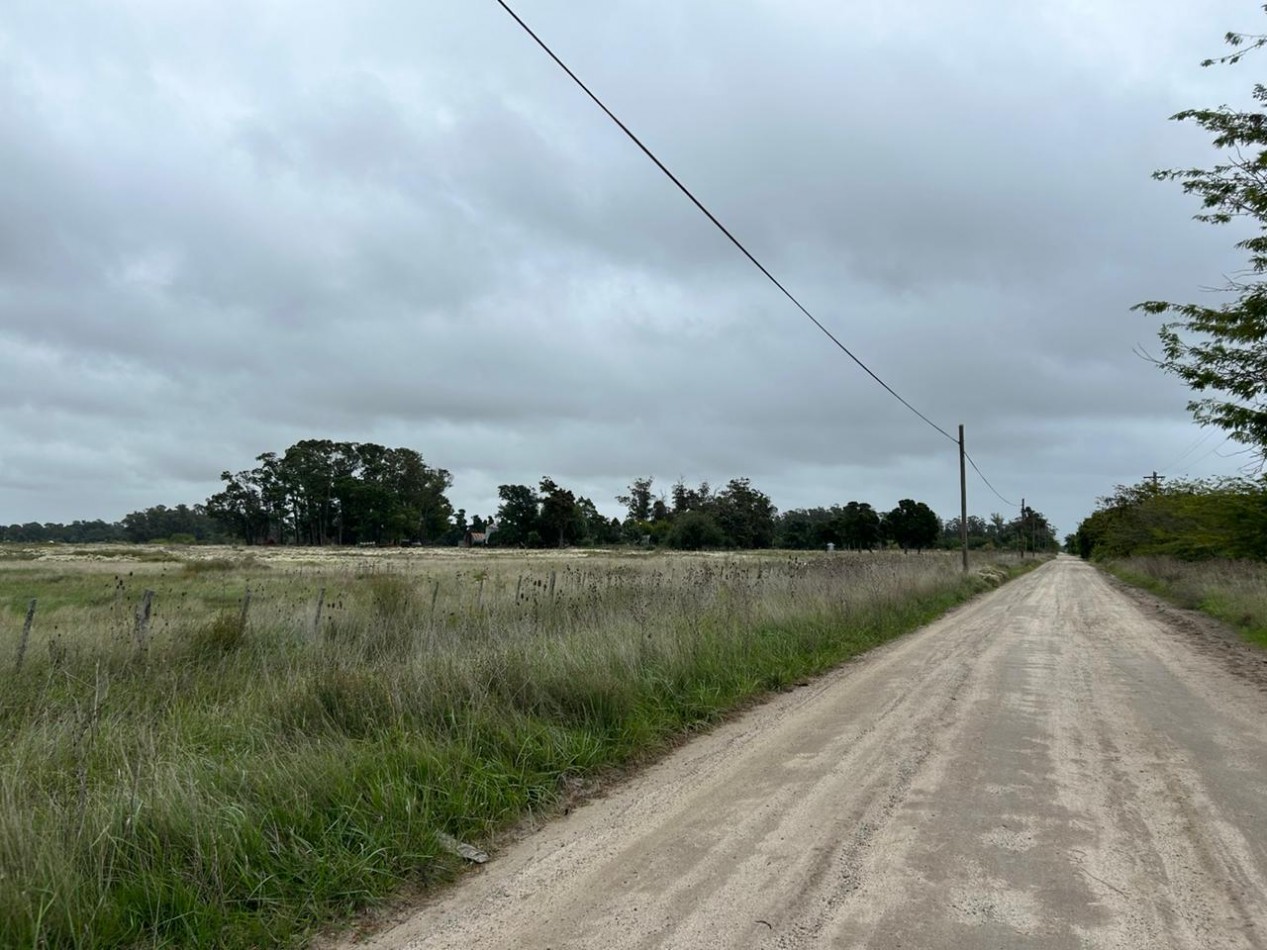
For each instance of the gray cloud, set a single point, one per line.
(227, 227)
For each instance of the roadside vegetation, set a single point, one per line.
(1200, 544)
(1232, 591)
(283, 738)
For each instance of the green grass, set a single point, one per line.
(240, 781)
(1234, 592)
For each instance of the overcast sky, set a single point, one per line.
(227, 226)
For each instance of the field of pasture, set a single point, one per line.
(233, 747)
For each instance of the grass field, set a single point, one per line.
(242, 768)
(1232, 591)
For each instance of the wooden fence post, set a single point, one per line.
(143, 611)
(26, 635)
(316, 620)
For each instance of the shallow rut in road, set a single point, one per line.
(1047, 766)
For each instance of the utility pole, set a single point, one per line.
(1020, 530)
(1156, 480)
(963, 501)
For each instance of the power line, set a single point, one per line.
(738, 244)
(1010, 504)
(721, 227)
(1197, 444)
(1213, 451)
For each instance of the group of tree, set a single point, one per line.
(856, 526)
(322, 492)
(1191, 520)
(693, 518)
(741, 516)
(696, 518)
(1029, 531)
(548, 516)
(181, 524)
(77, 532)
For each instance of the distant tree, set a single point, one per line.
(560, 521)
(860, 526)
(517, 516)
(319, 491)
(695, 531)
(912, 524)
(239, 507)
(458, 527)
(77, 532)
(977, 533)
(804, 528)
(163, 523)
(599, 529)
(1030, 531)
(745, 515)
(691, 499)
(81, 532)
(639, 500)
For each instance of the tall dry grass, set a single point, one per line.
(233, 777)
(1232, 591)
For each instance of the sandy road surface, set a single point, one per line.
(1049, 766)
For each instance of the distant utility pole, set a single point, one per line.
(1156, 480)
(1020, 529)
(963, 501)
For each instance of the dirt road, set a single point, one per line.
(1049, 766)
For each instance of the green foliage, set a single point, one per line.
(856, 527)
(1189, 520)
(78, 532)
(638, 501)
(1220, 350)
(322, 492)
(517, 516)
(221, 635)
(179, 525)
(561, 521)
(696, 531)
(807, 528)
(745, 515)
(912, 524)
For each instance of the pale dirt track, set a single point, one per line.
(1048, 766)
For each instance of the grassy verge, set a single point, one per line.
(242, 770)
(1234, 592)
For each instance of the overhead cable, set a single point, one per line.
(1005, 501)
(721, 227)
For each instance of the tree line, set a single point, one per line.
(1187, 519)
(1028, 532)
(323, 492)
(182, 524)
